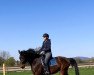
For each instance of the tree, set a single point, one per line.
(92, 59)
(1, 61)
(78, 60)
(17, 63)
(10, 61)
(4, 54)
(37, 48)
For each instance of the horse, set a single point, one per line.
(37, 68)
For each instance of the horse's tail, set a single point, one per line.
(73, 63)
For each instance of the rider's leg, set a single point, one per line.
(48, 55)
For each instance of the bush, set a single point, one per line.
(10, 62)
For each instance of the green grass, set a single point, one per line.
(18, 73)
(83, 71)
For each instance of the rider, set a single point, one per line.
(46, 50)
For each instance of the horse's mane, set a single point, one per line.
(35, 53)
(30, 51)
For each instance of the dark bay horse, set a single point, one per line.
(34, 60)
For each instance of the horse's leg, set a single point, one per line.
(64, 71)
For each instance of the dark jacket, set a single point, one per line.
(46, 46)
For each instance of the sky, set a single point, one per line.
(70, 24)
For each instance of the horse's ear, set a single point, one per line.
(19, 51)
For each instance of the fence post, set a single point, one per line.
(4, 69)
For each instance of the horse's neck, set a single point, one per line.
(35, 60)
(34, 64)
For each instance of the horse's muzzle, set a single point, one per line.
(22, 66)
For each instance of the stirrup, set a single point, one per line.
(47, 73)
(46, 70)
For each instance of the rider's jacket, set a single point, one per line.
(46, 46)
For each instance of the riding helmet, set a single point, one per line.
(46, 35)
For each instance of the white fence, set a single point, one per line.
(14, 68)
(29, 68)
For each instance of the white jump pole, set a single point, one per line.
(4, 69)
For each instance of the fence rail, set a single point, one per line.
(15, 69)
(29, 68)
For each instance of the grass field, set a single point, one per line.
(83, 71)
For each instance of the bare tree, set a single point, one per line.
(37, 48)
(4, 54)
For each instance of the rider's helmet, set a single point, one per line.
(46, 35)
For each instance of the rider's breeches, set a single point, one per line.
(48, 55)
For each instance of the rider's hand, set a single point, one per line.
(42, 52)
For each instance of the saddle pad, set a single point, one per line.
(53, 62)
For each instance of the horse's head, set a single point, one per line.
(26, 56)
(23, 58)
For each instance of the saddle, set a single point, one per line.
(52, 61)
